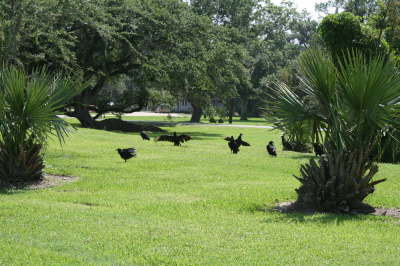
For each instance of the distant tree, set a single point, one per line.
(389, 19)
(324, 7)
(235, 17)
(283, 34)
(345, 31)
(362, 8)
(271, 35)
(102, 40)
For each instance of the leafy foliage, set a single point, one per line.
(345, 31)
(355, 103)
(338, 182)
(28, 116)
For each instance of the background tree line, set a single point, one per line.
(124, 51)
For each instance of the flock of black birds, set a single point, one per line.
(129, 153)
(233, 144)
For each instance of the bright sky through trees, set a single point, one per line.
(305, 4)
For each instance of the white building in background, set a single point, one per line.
(183, 106)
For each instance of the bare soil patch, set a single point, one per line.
(292, 207)
(387, 212)
(51, 181)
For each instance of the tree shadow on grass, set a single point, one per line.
(13, 189)
(6, 190)
(303, 217)
(307, 218)
(139, 123)
(196, 135)
(303, 156)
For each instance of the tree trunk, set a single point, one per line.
(83, 115)
(243, 109)
(231, 110)
(196, 113)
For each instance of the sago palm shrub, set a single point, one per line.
(355, 103)
(28, 116)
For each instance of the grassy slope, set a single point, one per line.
(195, 204)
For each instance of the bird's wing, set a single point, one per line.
(131, 150)
(244, 143)
(185, 137)
(164, 138)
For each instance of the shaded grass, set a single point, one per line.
(195, 204)
(235, 121)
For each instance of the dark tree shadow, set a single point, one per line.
(303, 156)
(194, 134)
(14, 189)
(119, 125)
(303, 217)
(324, 218)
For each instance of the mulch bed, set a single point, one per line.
(291, 207)
(47, 182)
(51, 181)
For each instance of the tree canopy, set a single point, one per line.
(201, 50)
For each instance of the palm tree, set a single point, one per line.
(28, 116)
(355, 103)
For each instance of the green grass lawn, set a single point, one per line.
(196, 204)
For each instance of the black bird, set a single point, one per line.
(185, 137)
(126, 154)
(271, 149)
(318, 149)
(163, 138)
(240, 142)
(144, 136)
(232, 144)
(176, 139)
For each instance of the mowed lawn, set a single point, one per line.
(191, 205)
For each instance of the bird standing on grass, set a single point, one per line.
(271, 149)
(144, 136)
(176, 139)
(232, 144)
(240, 142)
(126, 154)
